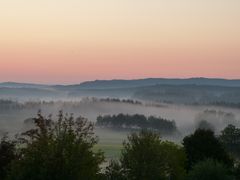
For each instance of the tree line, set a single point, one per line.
(137, 121)
(8, 104)
(64, 149)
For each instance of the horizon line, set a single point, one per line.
(120, 79)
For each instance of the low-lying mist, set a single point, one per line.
(13, 114)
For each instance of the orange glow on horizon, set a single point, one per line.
(73, 41)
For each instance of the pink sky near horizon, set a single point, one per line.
(73, 41)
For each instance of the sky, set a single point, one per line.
(70, 41)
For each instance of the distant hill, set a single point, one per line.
(105, 84)
(193, 90)
(29, 93)
(202, 94)
(118, 83)
(21, 85)
(14, 90)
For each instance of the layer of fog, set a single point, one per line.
(186, 117)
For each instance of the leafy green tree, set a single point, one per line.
(175, 160)
(203, 145)
(58, 151)
(209, 170)
(7, 155)
(145, 156)
(230, 137)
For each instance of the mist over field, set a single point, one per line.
(188, 106)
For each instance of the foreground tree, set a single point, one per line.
(58, 150)
(230, 137)
(204, 145)
(7, 155)
(209, 170)
(145, 156)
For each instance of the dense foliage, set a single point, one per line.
(58, 150)
(137, 121)
(146, 156)
(209, 170)
(230, 137)
(237, 171)
(204, 145)
(7, 155)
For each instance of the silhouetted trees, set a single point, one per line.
(6, 105)
(219, 118)
(7, 155)
(58, 150)
(137, 121)
(237, 170)
(201, 145)
(146, 156)
(210, 170)
(64, 149)
(230, 137)
(203, 124)
(116, 100)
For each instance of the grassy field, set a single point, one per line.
(111, 151)
(110, 142)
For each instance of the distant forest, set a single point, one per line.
(125, 121)
(9, 104)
